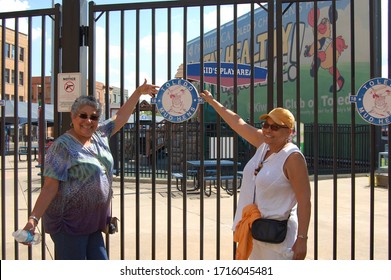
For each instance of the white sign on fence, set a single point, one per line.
(69, 88)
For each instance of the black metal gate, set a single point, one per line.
(161, 215)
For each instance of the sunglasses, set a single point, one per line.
(273, 127)
(92, 117)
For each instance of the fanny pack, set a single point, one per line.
(269, 230)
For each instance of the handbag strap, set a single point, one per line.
(261, 161)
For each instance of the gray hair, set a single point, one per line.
(84, 100)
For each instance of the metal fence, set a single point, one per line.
(325, 160)
(157, 221)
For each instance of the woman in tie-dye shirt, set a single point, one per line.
(75, 198)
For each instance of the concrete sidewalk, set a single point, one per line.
(172, 238)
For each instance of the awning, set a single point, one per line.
(22, 108)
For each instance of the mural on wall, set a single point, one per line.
(325, 68)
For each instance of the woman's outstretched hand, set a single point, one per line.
(207, 96)
(149, 89)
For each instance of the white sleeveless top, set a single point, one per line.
(274, 195)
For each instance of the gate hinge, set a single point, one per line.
(84, 36)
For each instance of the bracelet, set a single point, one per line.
(302, 236)
(34, 218)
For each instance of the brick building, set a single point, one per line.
(16, 64)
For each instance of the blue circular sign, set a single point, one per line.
(177, 100)
(373, 101)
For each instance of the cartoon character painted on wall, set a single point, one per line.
(325, 46)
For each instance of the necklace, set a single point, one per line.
(265, 159)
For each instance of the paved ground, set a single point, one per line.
(333, 203)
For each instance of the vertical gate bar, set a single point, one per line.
(107, 34)
(16, 144)
(252, 78)
(122, 135)
(92, 49)
(235, 85)
(184, 135)
(318, 151)
(270, 52)
(29, 185)
(335, 138)
(389, 136)
(41, 116)
(153, 126)
(279, 56)
(202, 145)
(3, 152)
(372, 192)
(107, 82)
(372, 51)
(218, 120)
(353, 134)
(298, 84)
(169, 135)
(316, 136)
(56, 68)
(236, 91)
(137, 124)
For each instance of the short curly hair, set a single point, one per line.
(86, 100)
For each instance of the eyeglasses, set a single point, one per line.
(92, 117)
(273, 127)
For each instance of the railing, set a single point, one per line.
(343, 162)
(325, 161)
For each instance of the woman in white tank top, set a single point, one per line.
(275, 179)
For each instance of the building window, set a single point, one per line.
(7, 75)
(13, 77)
(21, 78)
(21, 54)
(13, 52)
(7, 50)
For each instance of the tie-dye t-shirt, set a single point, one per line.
(82, 203)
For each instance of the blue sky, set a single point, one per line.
(146, 63)
(161, 38)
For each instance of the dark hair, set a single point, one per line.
(86, 100)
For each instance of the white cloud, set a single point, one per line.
(18, 5)
(13, 5)
(226, 15)
(161, 43)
